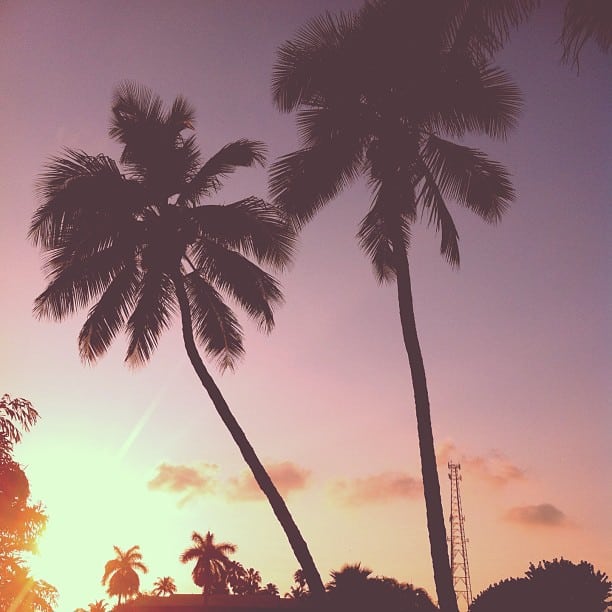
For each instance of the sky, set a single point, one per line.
(516, 343)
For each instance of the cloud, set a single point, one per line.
(191, 480)
(540, 515)
(287, 477)
(381, 487)
(493, 467)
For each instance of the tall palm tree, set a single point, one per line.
(381, 93)
(164, 586)
(212, 561)
(121, 573)
(16, 414)
(141, 244)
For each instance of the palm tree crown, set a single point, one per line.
(121, 573)
(15, 415)
(164, 586)
(212, 561)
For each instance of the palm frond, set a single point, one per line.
(255, 290)
(431, 199)
(75, 282)
(154, 307)
(302, 182)
(584, 20)
(181, 116)
(109, 314)
(215, 325)
(252, 226)
(208, 179)
(309, 62)
(469, 177)
(480, 99)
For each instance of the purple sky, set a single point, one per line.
(516, 344)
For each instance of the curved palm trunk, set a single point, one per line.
(433, 503)
(296, 541)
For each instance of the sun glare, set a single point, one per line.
(92, 504)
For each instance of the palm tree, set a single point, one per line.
(582, 20)
(252, 581)
(212, 561)
(98, 606)
(271, 589)
(164, 586)
(121, 573)
(235, 574)
(15, 415)
(379, 93)
(141, 245)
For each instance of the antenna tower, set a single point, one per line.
(458, 542)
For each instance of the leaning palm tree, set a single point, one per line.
(212, 561)
(164, 586)
(121, 573)
(382, 93)
(141, 244)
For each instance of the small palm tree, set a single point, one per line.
(16, 415)
(212, 562)
(252, 581)
(235, 576)
(271, 589)
(121, 573)
(140, 245)
(164, 586)
(98, 606)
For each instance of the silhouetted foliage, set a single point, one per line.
(381, 93)
(138, 245)
(212, 562)
(551, 586)
(164, 586)
(21, 522)
(121, 573)
(584, 20)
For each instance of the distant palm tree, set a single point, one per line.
(121, 573)
(252, 581)
(141, 245)
(583, 20)
(271, 589)
(235, 575)
(98, 606)
(212, 561)
(164, 586)
(15, 415)
(382, 93)
(351, 577)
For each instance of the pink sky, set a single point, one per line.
(516, 344)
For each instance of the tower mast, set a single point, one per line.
(458, 542)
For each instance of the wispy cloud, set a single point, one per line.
(382, 487)
(287, 477)
(545, 515)
(189, 481)
(492, 467)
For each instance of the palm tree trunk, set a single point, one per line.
(296, 541)
(431, 485)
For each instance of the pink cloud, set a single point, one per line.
(381, 487)
(545, 515)
(192, 481)
(493, 467)
(287, 477)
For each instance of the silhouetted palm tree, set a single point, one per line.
(212, 561)
(235, 576)
(141, 245)
(121, 573)
(164, 586)
(379, 93)
(15, 415)
(583, 20)
(98, 606)
(271, 589)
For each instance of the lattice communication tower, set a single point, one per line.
(458, 542)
